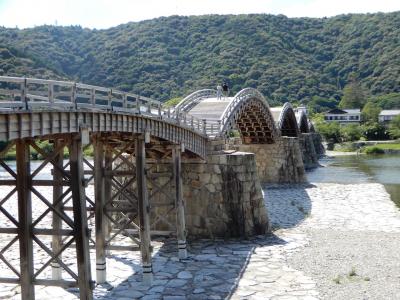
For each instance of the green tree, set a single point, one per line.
(351, 132)
(172, 102)
(330, 131)
(353, 96)
(375, 131)
(370, 112)
(394, 127)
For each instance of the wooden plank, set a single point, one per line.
(25, 220)
(144, 210)
(80, 220)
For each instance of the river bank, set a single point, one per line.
(330, 241)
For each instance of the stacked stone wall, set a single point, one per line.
(223, 196)
(311, 148)
(319, 147)
(310, 157)
(280, 162)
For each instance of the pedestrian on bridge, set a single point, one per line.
(219, 92)
(225, 88)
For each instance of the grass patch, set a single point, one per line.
(352, 272)
(337, 279)
(373, 150)
(388, 146)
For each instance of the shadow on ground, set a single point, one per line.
(214, 267)
(212, 270)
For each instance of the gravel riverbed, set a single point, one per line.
(354, 238)
(330, 241)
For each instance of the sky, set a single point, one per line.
(102, 14)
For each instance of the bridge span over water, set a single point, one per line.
(155, 171)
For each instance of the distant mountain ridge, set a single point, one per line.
(287, 59)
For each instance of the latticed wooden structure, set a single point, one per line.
(127, 132)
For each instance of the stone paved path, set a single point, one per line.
(259, 268)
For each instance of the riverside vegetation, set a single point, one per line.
(305, 60)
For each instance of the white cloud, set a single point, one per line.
(107, 13)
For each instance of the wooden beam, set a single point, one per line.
(25, 220)
(108, 167)
(180, 209)
(56, 220)
(99, 210)
(144, 211)
(80, 219)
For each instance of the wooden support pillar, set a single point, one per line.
(80, 219)
(99, 207)
(180, 208)
(56, 220)
(144, 210)
(25, 220)
(107, 191)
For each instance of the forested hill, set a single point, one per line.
(286, 59)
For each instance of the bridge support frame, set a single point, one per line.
(30, 232)
(180, 209)
(25, 220)
(81, 229)
(144, 210)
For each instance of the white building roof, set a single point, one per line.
(390, 112)
(352, 110)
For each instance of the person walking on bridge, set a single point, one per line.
(225, 88)
(219, 92)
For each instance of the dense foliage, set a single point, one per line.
(286, 59)
(394, 128)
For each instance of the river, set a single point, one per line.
(384, 169)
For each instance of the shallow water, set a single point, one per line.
(384, 169)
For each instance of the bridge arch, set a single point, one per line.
(302, 121)
(286, 120)
(249, 113)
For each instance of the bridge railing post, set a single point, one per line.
(159, 110)
(177, 116)
(169, 113)
(109, 104)
(50, 93)
(73, 96)
(124, 101)
(138, 104)
(24, 92)
(219, 128)
(204, 126)
(192, 122)
(93, 97)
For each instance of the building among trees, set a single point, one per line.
(385, 116)
(343, 116)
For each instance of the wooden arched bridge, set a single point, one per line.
(58, 120)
